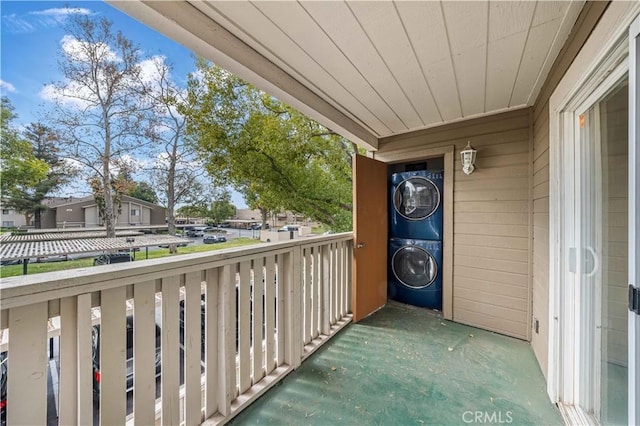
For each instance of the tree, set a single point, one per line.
(251, 140)
(20, 169)
(121, 184)
(28, 199)
(144, 191)
(176, 170)
(221, 208)
(100, 111)
(193, 210)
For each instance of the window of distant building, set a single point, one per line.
(7, 223)
(6, 211)
(135, 212)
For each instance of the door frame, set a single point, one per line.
(634, 219)
(602, 62)
(447, 233)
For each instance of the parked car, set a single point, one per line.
(256, 226)
(289, 228)
(95, 337)
(106, 259)
(197, 231)
(212, 239)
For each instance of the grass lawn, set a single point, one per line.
(38, 268)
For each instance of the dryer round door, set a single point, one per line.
(416, 198)
(414, 267)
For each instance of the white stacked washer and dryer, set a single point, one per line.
(415, 243)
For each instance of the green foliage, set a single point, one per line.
(143, 191)
(279, 158)
(28, 199)
(21, 170)
(221, 208)
(194, 210)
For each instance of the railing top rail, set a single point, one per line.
(25, 290)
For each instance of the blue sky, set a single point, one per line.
(31, 32)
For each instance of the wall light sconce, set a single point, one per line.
(468, 157)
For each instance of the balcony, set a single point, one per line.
(400, 365)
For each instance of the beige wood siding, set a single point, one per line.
(579, 34)
(491, 207)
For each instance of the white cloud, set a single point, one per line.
(59, 11)
(38, 19)
(7, 87)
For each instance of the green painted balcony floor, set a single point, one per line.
(405, 365)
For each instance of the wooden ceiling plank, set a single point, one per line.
(535, 51)
(341, 26)
(467, 29)
(282, 46)
(384, 28)
(503, 61)
(425, 24)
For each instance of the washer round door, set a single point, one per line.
(414, 267)
(416, 198)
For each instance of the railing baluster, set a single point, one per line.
(27, 368)
(113, 352)
(244, 325)
(192, 348)
(325, 318)
(308, 311)
(340, 281)
(258, 318)
(293, 343)
(350, 245)
(270, 314)
(68, 392)
(280, 326)
(85, 361)
(226, 338)
(144, 353)
(316, 294)
(170, 350)
(211, 343)
(336, 282)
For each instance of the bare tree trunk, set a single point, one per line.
(264, 213)
(171, 198)
(106, 183)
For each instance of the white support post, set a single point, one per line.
(317, 294)
(270, 314)
(226, 338)
(212, 308)
(144, 353)
(325, 317)
(113, 353)
(68, 413)
(85, 360)
(293, 302)
(258, 319)
(244, 325)
(308, 288)
(170, 352)
(27, 378)
(280, 311)
(192, 348)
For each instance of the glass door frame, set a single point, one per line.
(634, 216)
(570, 353)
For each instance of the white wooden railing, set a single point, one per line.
(305, 285)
